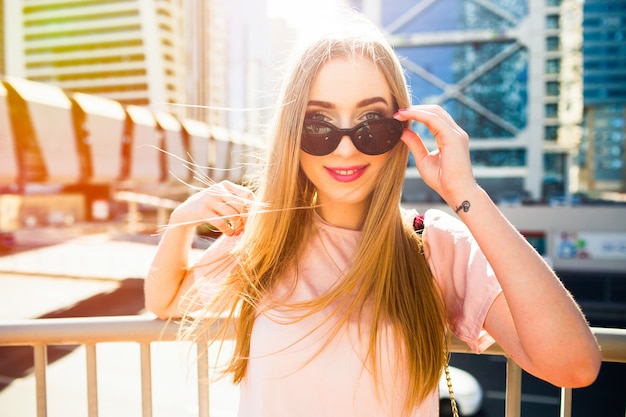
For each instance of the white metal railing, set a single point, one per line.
(89, 331)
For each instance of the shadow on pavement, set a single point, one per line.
(127, 299)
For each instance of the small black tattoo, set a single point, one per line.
(465, 206)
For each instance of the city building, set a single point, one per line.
(129, 51)
(173, 55)
(205, 40)
(602, 155)
(133, 96)
(505, 71)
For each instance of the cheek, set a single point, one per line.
(378, 162)
(309, 163)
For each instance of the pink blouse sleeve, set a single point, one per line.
(467, 282)
(213, 266)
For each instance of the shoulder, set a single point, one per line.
(439, 225)
(444, 235)
(440, 219)
(435, 222)
(449, 246)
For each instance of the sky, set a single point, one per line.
(304, 16)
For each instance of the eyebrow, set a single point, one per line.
(362, 103)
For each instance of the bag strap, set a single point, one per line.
(418, 226)
(455, 410)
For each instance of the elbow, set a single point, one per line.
(164, 313)
(581, 372)
(160, 308)
(160, 311)
(586, 372)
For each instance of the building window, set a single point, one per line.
(551, 110)
(553, 21)
(553, 43)
(554, 174)
(498, 157)
(551, 133)
(552, 88)
(553, 66)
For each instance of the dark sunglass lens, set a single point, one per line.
(317, 138)
(378, 136)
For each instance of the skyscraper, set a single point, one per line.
(141, 52)
(602, 155)
(128, 51)
(498, 68)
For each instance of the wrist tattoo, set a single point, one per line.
(465, 206)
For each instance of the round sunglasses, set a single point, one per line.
(371, 137)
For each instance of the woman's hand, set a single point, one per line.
(447, 169)
(223, 205)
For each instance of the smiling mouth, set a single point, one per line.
(346, 171)
(347, 174)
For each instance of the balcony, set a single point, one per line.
(91, 332)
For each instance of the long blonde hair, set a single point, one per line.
(389, 271)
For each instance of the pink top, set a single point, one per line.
(287, 373)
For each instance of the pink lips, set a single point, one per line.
(347, 174)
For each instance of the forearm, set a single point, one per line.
(536, 321)
(164, 284)
(550, 326)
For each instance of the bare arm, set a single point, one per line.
(222, 205)
(535, 319)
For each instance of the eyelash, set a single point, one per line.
(377, 114)
(323, 117)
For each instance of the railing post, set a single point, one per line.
(41, 361)
(92, 379)
(161, 218)
(203, 377)
(566, 402)
(146, 379)
(513, 402)
(133, 217)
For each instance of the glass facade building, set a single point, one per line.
(490, 77)
(498, 67)
(602, 155)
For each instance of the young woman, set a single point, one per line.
(341, 300)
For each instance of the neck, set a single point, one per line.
(346, 216)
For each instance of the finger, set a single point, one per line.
(222, 225)
(425, 115)
(440, 112)
(238, 196)
(444, 115)
(415, 144)
(232, 202)
(239, 199)
(436, 120)
(224, 219)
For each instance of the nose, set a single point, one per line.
(346, 147)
